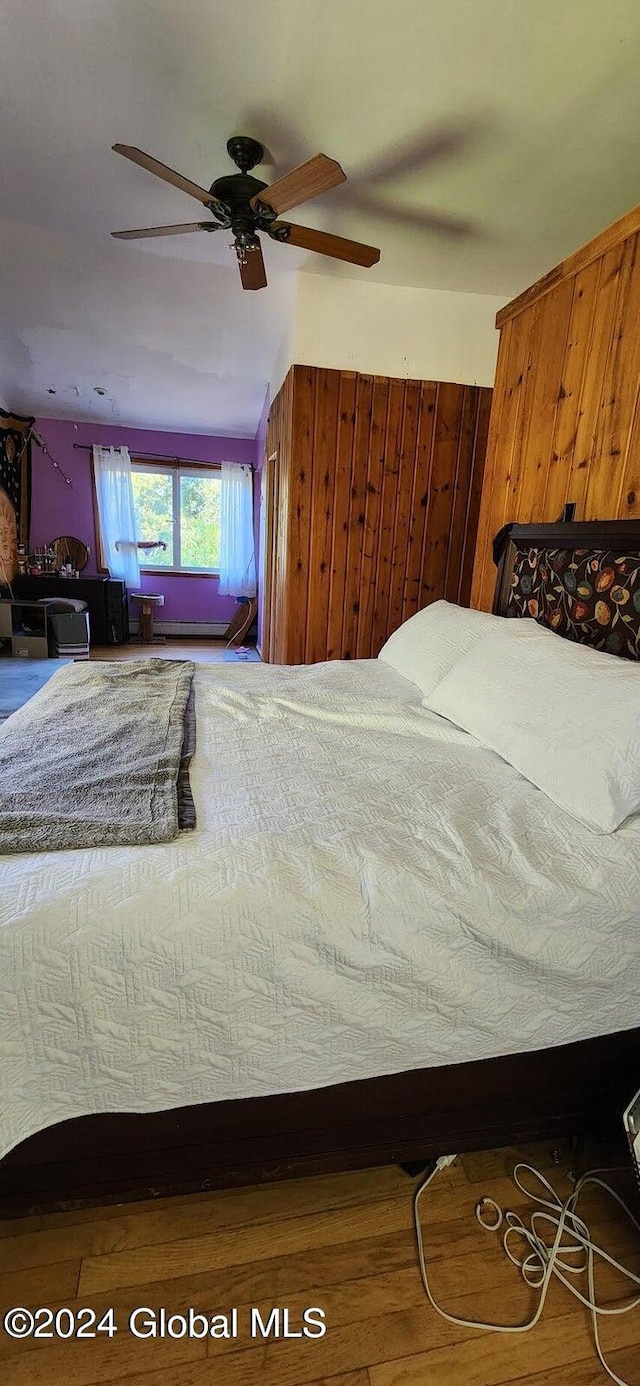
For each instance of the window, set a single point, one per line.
(180, 505)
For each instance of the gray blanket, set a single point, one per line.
(94, 759)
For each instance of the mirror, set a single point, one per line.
(70, 550)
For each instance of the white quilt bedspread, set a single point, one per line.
(368, 891)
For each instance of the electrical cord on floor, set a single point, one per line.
(544, 1259)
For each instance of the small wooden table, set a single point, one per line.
(147, 602)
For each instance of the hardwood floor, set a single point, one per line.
(343, 1243)
(202, 651)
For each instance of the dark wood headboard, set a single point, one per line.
(582, 580)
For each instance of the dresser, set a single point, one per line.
(106, 600)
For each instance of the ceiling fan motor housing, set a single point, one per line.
(235, 193)
(236, 190)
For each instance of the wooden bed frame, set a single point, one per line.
(568, 1090)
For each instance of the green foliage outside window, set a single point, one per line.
(193, 541)
(200, 521)
(153, 497)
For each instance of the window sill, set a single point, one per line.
(180, 572)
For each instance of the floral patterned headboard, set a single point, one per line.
(582, 580)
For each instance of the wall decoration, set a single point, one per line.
(15, 490)
(44, 449)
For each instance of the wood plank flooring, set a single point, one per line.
(343, 1243)
(202, 651)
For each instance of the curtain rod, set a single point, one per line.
(159, 456)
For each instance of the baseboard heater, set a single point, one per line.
(213, 629)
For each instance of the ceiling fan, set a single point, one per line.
(244, 205)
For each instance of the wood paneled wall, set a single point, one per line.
(372, 487)
(565, 417)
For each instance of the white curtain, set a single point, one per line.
(116, 513)
(237, 554)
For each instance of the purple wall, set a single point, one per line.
(59, 509)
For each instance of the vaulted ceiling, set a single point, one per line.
(483, 140)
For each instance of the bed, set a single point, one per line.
(380, 943)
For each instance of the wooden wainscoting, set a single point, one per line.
(372, 487)
(565, 417)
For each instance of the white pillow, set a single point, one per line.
(567, 717)
(430, 643)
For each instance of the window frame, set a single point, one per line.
(176, 469)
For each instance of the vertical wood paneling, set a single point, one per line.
(443, 473)
(406, 464)
(591, 461)
(523, 442)
(460, 497)
(584, 453)
(377, 485)
(344, 461)
(621, 375)
(525, 341)
(301, 479)
(483, 418)
(490, 483)
(356, 515)
(392, 451)
(626, 424)
(419, 504)
(554, 323)
(371, 528)
(421, 491)
(283, 491)
(569, 395)
(408, 484)
(322, 511)
(629, 494)
(564, 419)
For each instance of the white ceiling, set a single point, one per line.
(522, 120)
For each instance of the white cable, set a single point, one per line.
(544, 1259)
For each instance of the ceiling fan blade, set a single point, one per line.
(137, 156)
(324, 243)
(252, 273)
(308, 180)
(422, 150)
(441, 223)
(145, 231)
